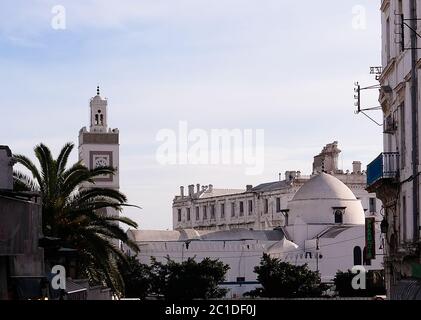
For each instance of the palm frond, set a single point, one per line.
(63, 157)
(22, 182)
(28, 164)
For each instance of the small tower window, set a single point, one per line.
(101, 119)
(96, 119)
(339, 216)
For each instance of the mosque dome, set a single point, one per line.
(324, 186)
(323, 197)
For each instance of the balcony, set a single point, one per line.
(382, 175)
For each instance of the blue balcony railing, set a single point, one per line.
(386, 165)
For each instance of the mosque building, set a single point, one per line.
(324, 227)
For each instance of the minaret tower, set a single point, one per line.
(100, 145)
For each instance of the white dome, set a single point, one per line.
(318, 199)
(324, 186)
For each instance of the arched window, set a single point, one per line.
(101, 119)
(96, 119)
(367, 262)
(358, 259)
(338, 216)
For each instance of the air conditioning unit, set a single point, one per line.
(390, 125)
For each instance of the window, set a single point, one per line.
(400, 11)
(266, 205)
(232, 209)
(278, 204)
(338, 216)
(402, 137)
(367, 262)
(222, 210)
(387, 40)
(188, 214)
(241, 208)
(372, 205)
(205, 212)
(404, 218)
(357, 256)
(197, 214)
(250, 207)
(179, 215)
(213, 212)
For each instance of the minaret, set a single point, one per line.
(98, 113)
(100, 145)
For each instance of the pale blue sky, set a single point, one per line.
(284, 66)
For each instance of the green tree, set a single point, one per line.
(284, 280)
(189, 279)
(137, 278)
(74, 210)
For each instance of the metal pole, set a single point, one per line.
(414, 109)
(317, 254)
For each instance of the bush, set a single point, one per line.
(284, 280)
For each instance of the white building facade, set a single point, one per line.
(394, 175)
(325, 228)
(262, 207)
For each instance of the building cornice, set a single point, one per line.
(390, 66)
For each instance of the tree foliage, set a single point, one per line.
(137, 278)
(284, 280)
(188, 279)
(172, 280)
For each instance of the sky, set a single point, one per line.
(285, 67)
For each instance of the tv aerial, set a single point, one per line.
(377, 71)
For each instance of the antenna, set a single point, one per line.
(377, 71)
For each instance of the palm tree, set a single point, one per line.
(74, 210)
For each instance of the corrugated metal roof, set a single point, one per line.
(220, 193)
(190, 234)
(407, 289)
(271, 186)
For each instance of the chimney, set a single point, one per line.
(182, 191)
(198, 188)
(249, 187)
(356, 167)
(290, 175)
(191, 190)
(6, 168)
